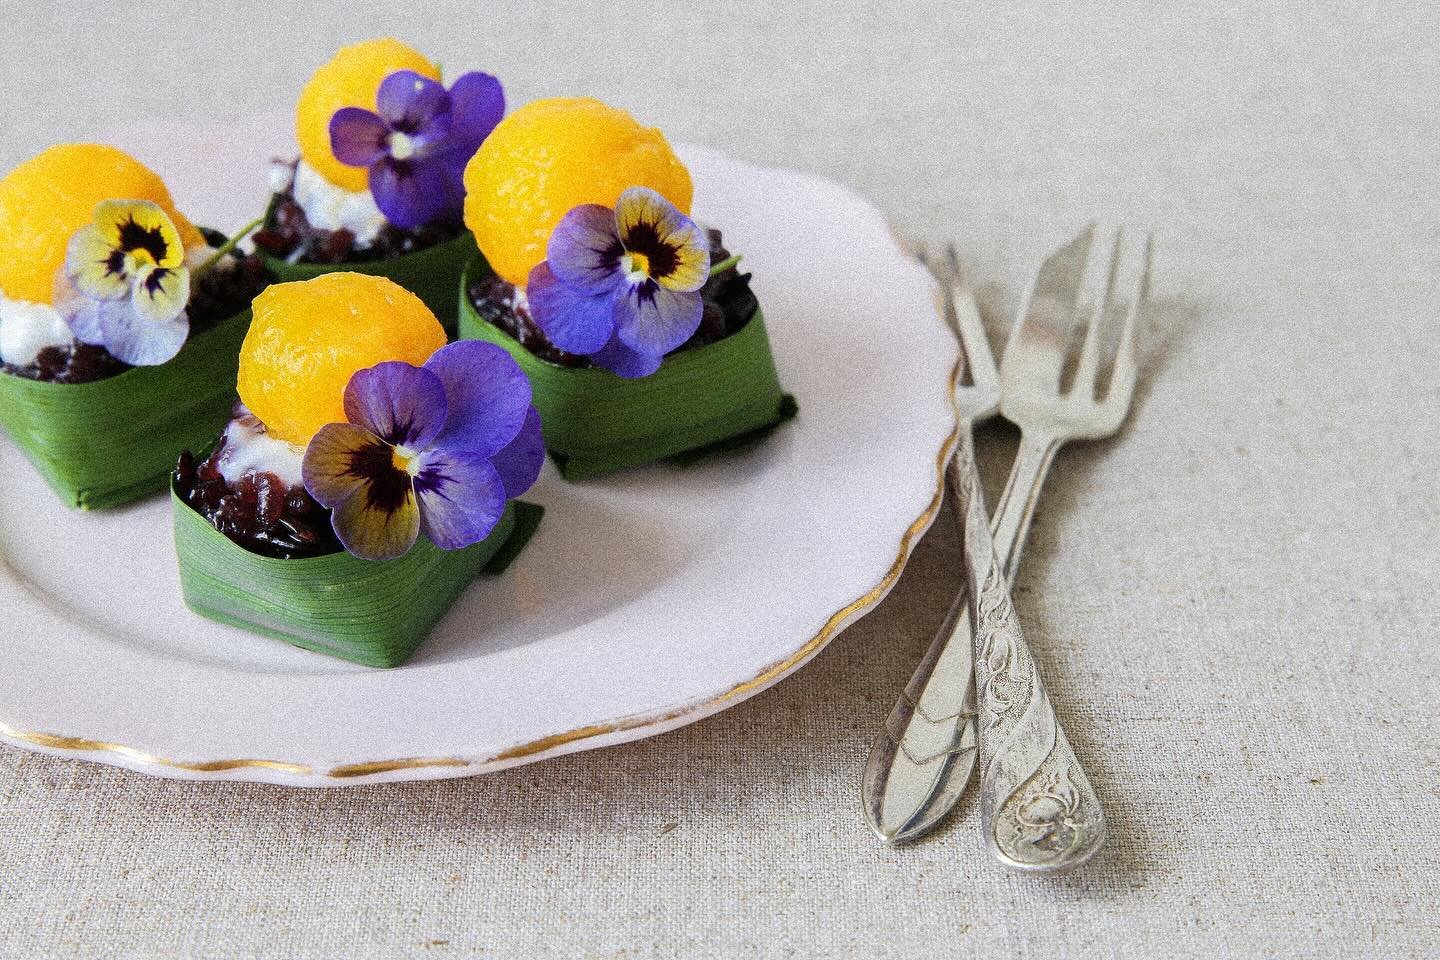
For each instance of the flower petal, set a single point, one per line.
(415, 193)
(160, 293)
(461, 497)
(477, 105)
(416, 106)
(676, 251)
(692, 261)
(354, 473)
(574, 322)
(373, 531)
(625, 361)
(486, 394)
(402, 405)
(358, 136)
(133, 339)
(83, 316)
(340, 459)
(584, 250)
(520, 462)
(96, 268)
(651, 319)
(141, 229)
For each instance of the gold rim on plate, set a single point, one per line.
(60, 743)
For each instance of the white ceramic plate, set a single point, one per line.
(647, 600)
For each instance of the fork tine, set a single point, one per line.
(973, 338)
(940, 273)
(1122, 380)
(1083, 383)
(1056, 284)
(952, 260)
(944, 307)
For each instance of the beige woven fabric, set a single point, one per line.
(1235, 602)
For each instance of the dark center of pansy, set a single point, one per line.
(115, 263)
(405, 460)
(647, 255)
(636, 267)
(147, 241)
(387, 485)
(402, 147)
(155, 283)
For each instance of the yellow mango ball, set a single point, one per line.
(50, 196)
(551, 156)
(351, 79)
(308, 338)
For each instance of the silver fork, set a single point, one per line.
(924, 755)
(1037, 805)
(1034, 362)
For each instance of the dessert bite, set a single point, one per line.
(377, 185)
(370, 473)
(726, 298)
(116, 316)
(641, 335)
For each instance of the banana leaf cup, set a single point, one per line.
(371, 613)
(721, 396)
(108, 442)
(397, 490)
(432, 274)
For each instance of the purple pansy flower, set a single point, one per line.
(435, 449)
(622, 286)
(125, 283)
(417, 142)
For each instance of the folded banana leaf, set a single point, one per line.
(369, 613)
(432, 274)
(717, 397)
(108, 442)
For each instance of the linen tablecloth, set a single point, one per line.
(1235, 602)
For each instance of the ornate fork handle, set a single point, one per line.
(1038, 809)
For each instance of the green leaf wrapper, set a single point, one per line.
(369, 613)
(431, 274)
(715, 397)
(108, 442)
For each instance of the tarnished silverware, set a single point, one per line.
(925, 753)
(1033, 397)
(1047, 819)
(1037, 806)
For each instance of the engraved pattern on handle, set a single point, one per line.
(1037, 807)
(923, 757)
(921, 763)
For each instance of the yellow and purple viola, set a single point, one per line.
(415, 144)
(129, 283)
(622, 286)
(436, 449)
